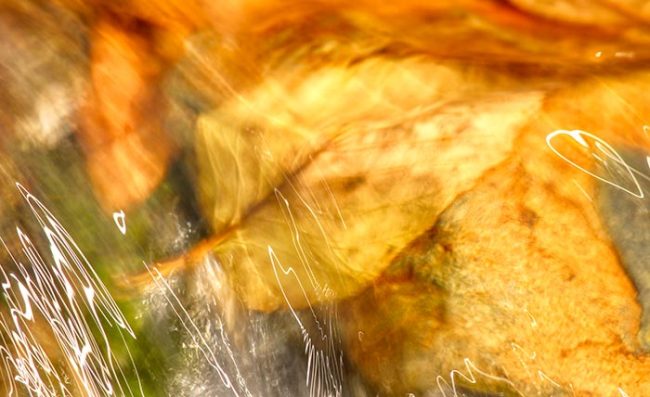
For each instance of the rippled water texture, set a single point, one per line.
(324, 198)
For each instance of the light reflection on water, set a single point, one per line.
(267, 198)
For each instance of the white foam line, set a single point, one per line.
(59, 294)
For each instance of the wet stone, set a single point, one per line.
(627, 219)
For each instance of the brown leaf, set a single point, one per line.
(335, 198)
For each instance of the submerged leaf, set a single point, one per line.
(331, 195)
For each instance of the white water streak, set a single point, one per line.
(606, 155)
(456, 375)
(325, 360)
(120, 221)
(58, 294)
(199, 341)
(324, 365)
